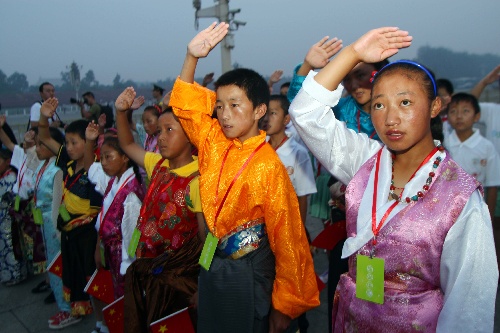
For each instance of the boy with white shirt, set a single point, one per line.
(474, 153)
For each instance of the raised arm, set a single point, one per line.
(91, 135)
(200, 46)
(374, 46)
(47, 111)
(319, 54)
(275, 77)
(492, 77)
(6, 141)
(125, 137)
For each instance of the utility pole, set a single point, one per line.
(223, 14)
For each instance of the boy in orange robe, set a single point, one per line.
(261, 275)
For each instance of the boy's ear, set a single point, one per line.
(260, 111)
(286, 120)
(436, 107)
(477, 116)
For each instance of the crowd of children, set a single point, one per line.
(208, 210)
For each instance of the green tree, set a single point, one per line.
(89, 80)
(3, 82)
(117, 81)
(18, 82)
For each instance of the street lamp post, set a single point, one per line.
(221, 11)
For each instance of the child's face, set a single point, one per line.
(4, 165)
(236, 114)
(113, 163)
(445, 97)
(172, 140)
(275, 120)
(357, 83)
(150, 122)
(461, 116)
(401, 112)
(42, 152)
(75, 146)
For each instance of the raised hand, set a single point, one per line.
(320, 53)
(3, 120)
(166, 99)
(492, 76)
(137, 103)
(125, 100)
(29, 137)
(101, 121)
(207, 79)
(92, 131)
(49, 107)
(201, 45)
(275, 77)
(379, 44)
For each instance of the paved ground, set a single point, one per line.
(24, 312)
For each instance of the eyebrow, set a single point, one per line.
(403, 93)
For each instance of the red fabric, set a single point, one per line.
(55, 267)
(330, 236)
(113, 316)
(179, 322)
(101, 286)
(165, 222)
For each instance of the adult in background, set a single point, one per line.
(94, 111)
(47, 91)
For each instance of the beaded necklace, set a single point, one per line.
(427, 184)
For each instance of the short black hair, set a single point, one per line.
(468, 98)
(285, 85)
(158, 88)
(284, 102)
(89, 93)
(55, 134)
(78, 127)
(40, 88)
(254, 85)
(446, 84)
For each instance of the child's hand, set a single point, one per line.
(3, 120)
(275, 77)
(379, 44)
(166, 100)
(49, 107)
(137, 103)
(207, 79)
(29, 137)
(92, 131)
(492, 76)
(101, 121)
(320, 53)
(201, 45)
(125, 100)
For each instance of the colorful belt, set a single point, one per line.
(242, 240)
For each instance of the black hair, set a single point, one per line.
(5, 153)
(446, 84)
(283, 100)
(55, 134)
(154, 109)
(89, 93)
(78, 127)
(158, 88)
(412, 71)
(285, 85)
(251, 82)
(113, 142)
(40, 88)
(468, 98)
(437, 129)
(379, 65)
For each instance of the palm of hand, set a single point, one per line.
(317, 57)
(124, 101)
(200, 46)
(91, 133)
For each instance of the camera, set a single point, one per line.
(77, 101)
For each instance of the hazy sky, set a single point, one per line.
(146, 40)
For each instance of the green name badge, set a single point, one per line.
(370, 279)
(17, 201)
(37, 216)
(63, 211)
(207, 254)
(103, 257)
(134, 242)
